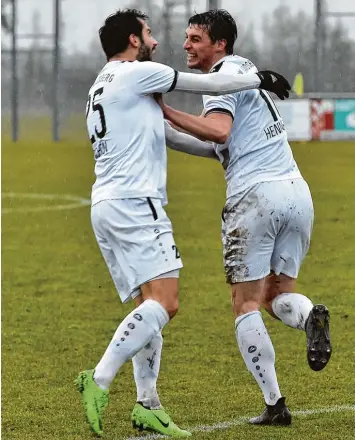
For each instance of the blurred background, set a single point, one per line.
(51, 54)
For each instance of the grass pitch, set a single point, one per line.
(60, 308)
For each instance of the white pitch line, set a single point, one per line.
(242, 420)
(77, 202)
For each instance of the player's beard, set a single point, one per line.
(145, 53)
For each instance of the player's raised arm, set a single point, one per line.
(186, 143)
(158, 78)
(223, 83)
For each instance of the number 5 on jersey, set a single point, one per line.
(97, 108)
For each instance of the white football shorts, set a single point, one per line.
(136, 240)
(267, 228)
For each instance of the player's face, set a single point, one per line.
(148, 44)
(200, 49)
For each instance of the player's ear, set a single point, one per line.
(221, 44)
(134, 40)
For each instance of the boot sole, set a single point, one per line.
(319, 347)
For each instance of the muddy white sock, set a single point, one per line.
(292, 308)
(258, 353)
(135, 331)
(146, 365)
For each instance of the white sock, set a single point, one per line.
(292, 308)
(258, 353)
(146, 364)
(135, 331)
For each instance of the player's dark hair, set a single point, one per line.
(219, 25)
(114, 34)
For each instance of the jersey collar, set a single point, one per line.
(217, 66)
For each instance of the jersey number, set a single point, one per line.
(177, 253)
(97, 108)
(270, 105)
(274, 113)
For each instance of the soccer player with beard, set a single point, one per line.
(126, 129)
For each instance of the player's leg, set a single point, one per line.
(136, 330)
(142, 244)
(148, 414)
(146, 365)
(253, 339)
(282, 302)
(247, 249)
(297, 311)
(121, 226)
(257, 350)
(281, 299)
(132, 335)
(129, 271)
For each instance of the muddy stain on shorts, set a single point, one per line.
(235, 240)
(235, 247)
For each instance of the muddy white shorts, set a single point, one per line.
(136, 240)
(267, 228)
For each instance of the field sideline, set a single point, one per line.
(60, 309)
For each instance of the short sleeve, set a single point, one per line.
(220, 104)
(228, 103)
(151, 77)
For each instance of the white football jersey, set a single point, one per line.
(257, 149)
(126, 129)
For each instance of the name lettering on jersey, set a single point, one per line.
(274, 129)
(100, 149)
(105, 77)
(247, 65)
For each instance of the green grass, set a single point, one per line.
(60, 308)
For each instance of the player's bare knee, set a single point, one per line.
(165, 291)
(172, 307)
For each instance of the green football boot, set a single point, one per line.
(94, 399)
(156, 420)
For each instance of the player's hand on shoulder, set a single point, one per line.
(274, 82)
